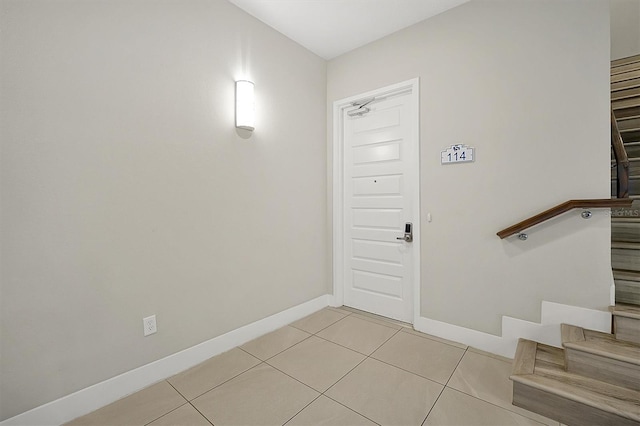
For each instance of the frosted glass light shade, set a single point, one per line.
(245, 105)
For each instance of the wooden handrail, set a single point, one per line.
(563, 208)
(622, 161)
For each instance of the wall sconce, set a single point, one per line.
(245, 105)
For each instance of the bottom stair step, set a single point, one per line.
(601, 356)
(541, 385)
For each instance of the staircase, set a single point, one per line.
(594, 379)
(625, 223)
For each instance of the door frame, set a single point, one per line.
(339, 106)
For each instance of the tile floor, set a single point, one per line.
(336, 367)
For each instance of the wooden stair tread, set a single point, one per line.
(625, 68)
(625, 61)
(602, 344)
(625, 94)
(625, 229)
(620, 274)
(552, 378)
(626, 84)
(625, 245)
(634, 178)
(631, 136)
(633, 149)
(634, 167)
(623, 219)
(631, 160)
(525, 358)
(627, 75)
(625, 103)
(628, 112)
(628, 124)
(627, 311)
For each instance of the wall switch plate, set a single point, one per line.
(149, 324)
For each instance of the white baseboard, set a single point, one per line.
(547, 331)
(89, 399)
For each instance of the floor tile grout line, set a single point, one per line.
(306, 331)
(407, 371)
(222, 383)
(383, 343)
(201, 413)
(175, 389)
(289, 375)
(437, 339)
(348, 372)
(373, 321)
(275, 368)
(367, 355)
(365, 358)
(408, 328)
(302, 409)
(457, 365)
(324, 393)
(168, 412)
(377, 321)
(346, 347)
(286, 349)
(342, 311)
(272, 366)
(345, 375)
(502, 408)
(411, 372)
(338, 381)
(481, 399)
(443, 388)
(349, 408)
(433, 406)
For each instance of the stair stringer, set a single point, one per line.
(547, 331)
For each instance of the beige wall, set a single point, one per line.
(526, 84)
(625, 28)
(127, 192)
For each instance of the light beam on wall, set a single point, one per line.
(245, 105)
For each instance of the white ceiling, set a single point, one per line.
(330, 28)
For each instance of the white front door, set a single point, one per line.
(380, 187)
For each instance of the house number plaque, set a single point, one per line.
(457, 154)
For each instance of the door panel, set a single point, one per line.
(376, 250)
(378, 152)
(387, 285)
(380, 176)
(378, 185)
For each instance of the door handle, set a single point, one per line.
(408, 233)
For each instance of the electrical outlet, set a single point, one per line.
(149, 324)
